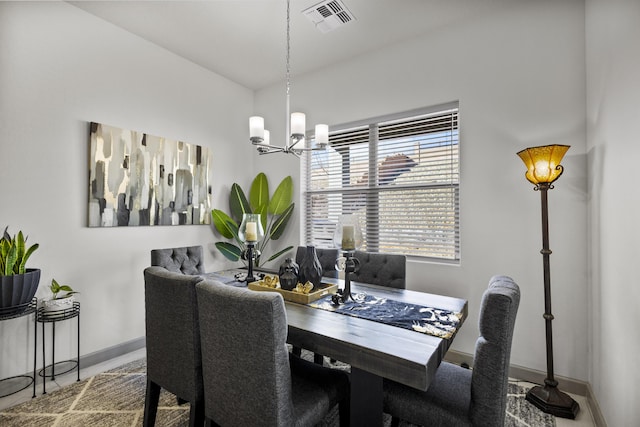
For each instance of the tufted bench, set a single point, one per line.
(185, 260)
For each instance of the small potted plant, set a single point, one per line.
(18, 284)
(62, 298)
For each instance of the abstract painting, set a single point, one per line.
(140, 179)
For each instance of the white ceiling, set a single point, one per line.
(245, 40)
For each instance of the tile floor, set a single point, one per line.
(584, 418)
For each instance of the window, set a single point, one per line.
(399, 174)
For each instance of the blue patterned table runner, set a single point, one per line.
(428, 320)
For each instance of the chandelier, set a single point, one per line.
(295, 122)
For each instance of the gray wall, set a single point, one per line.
(61, 68)
(613, 122)
(520, 84)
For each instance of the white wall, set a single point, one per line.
(519, 76)
(61, 68)
(613, 114)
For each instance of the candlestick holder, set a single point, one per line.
(348, 237)
(250, 232)
(250, 254)
(349, 264)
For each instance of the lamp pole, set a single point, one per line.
(544, 168)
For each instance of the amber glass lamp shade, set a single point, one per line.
(543, 163)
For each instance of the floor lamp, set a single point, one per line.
(543, 168)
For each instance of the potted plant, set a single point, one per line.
(18, 284)
(61, 299)
(275, 212)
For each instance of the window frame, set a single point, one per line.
(373, 190)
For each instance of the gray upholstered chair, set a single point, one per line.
(174, 361)
(250, 378)
(381, 269)
(467, 397)
(327, 258)
(185, 260)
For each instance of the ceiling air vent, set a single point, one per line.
(329, 15)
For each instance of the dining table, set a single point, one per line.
(374, 350)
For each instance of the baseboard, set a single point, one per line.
(567, 385)
(112, 352)
(598, 417)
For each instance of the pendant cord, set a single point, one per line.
(288, 56)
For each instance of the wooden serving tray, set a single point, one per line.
(297, 297)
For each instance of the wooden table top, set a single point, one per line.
(402, 355)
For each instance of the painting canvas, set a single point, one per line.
(139, 179)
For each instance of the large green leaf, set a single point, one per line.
(12, 257)
(262, 210)
(238, 203)
(259, 192)
(278, 226)
(23, 263)
(281, 197)
(280, 253)
(224, 224)
(230, 251)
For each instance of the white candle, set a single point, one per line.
(251, 232)
(348, 238)
(322, 135)
(267, 137)
(297, 124)
(256, 127)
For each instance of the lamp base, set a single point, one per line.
(552, 401)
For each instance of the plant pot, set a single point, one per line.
(18, 290)
(58, 304)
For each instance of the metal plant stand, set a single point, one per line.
(52, 317)
(12, 385)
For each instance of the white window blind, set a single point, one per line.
(400, 177)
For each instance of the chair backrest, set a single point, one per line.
(245, 359)
(172, 332)
(490, 375)
(381, 269)
(327, 258)
(185, 260)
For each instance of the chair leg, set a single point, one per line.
(318, 359)
(395, 421)
(344, 413)
(196, 414)
(297, 351)
(151, 399)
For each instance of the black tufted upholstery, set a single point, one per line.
(185, 260)
(381, 269)
(327, 258)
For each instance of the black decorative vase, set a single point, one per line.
(288, 274)
(310, 268)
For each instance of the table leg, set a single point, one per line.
(366, 398)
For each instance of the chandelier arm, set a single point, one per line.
(295, 141)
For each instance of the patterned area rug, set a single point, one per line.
(116, 398)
